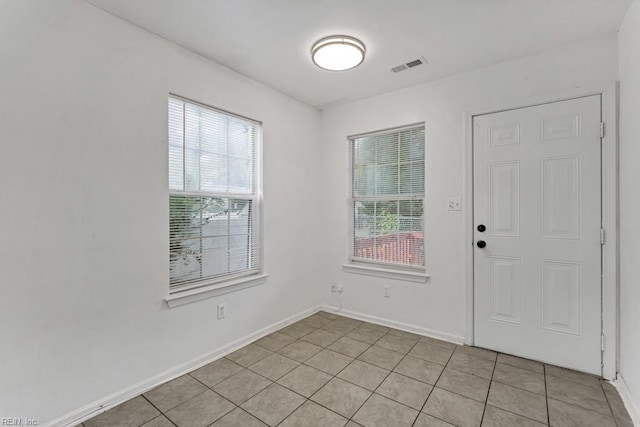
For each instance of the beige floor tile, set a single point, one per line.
(275, 341)
(273, 404)
(171, 394)
(405, 334)
(496, 417)
(396, 343)
(321, 337)
(134, 412)
(477, 352)
(617, 408)
(160, 421)
(381, 357)
(608, 387)
(248, 355)
(453, 408)
(349, 346)
(304, 380)
(419, 369)
(341, 397)
(274, 366)
(471, 365)
(297, 330)
(567, 374)
(563, 414)
(366, 334)
(425, 420)
(327, 343)
(521, 402)
(315, 321)
(327, 314)
(439, 343)
(364, 374)
(340, 327)
(431, 353)
(586, 396)
(520, 378)
(238, 418)
(242, 386)
(379, 411)
(376, 327)
(464, 384)
(313, 415)
(519, 362)
(200, 411)
(216, 372)
(405, 390)
(329, 361)
(300, 350)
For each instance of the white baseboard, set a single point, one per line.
(91, 410)
(627, 398)
(444, 336)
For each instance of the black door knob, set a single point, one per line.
(481, 244)
(481, 228)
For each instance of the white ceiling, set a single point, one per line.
(270, 40)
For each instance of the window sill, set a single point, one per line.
(388, 273)
(192, 295)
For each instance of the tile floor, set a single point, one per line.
(327, 370)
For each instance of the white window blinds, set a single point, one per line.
(213, 195)
(387, 197)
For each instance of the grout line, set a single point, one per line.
(609, 403)
(486, 402)
(246, 412)
(546, 396)
(162, 414)
(434, 387)
(385, 378)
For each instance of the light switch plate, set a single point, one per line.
(454, 204)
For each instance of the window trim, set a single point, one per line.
(186, 296)
(387, 273)
(218, 285)
(356, 265)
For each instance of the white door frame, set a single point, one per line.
(609, 159)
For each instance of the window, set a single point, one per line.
(387, 198)
(213, 195)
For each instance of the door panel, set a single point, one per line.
(537, 283)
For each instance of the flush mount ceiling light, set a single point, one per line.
(338, 53)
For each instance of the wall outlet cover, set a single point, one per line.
(222, 311)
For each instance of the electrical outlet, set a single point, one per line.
(334, 287)
(454, 204)
(222, 311)
(387, 291)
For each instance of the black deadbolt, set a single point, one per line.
(481, 228)
(481, 244)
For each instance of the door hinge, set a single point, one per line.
(602, 236)
(601, 129)
(601, 342)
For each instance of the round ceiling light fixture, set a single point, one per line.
(338, 53)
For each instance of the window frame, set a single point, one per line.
(408, 272)
(215, 285)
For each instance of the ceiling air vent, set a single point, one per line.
(408, 65)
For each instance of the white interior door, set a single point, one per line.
(537, 282)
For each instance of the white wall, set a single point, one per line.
(84, 207)
(439, 305)
(629, 39)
